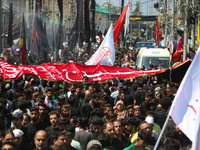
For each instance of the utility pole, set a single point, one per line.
(0, 26)
(122, 35)
(109, 8)
(193, 25)
(53, 33)
(185, 32)
(173, 21)
(139, 28)
(131, 22)
(166, 20)
(147, 8)
(34, 6)
(146, 31)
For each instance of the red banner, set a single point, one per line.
(157, 34)
(71, 72)
(118, 26)
(179, 50)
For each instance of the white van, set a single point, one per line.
(153, 55)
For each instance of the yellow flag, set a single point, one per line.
(198, 35)
(21, 42)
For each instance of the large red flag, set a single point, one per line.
(179, 50)
(118, 26)
(157, 34)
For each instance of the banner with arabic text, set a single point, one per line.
(73, 72)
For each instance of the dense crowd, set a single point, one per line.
(125, 57)
(113, 115)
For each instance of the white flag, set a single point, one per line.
(185, 109)
(105, 54)
(127, 22)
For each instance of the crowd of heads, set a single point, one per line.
(113, 115)
(124, 57)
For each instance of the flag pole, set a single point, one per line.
(1, 18)
(161, 133)
(53, 32)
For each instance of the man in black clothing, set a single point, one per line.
(79, 95)
(65, 112)
(148, 98)
(72, 89)
(97, 127)
(88, 107)
(148, 127)
(3, 122)
(51, 130)
(169, 92)
(62, 140)
(17, 122)
(28, 96)
(115, 143)
(18, 93)
(61, 102)
(83, 136)
(118, 133)
(85, 100)
(43, 113)
(35, 121)
(72, 101)
(161, 111)
(34, 125)
(130, 110)
(139, 96)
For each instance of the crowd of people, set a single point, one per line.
(37, 114)
(125, 57)
(113, 115)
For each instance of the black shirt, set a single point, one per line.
(31, 130)
(117, 144)
(125, 141)
(40, 126)
(83, 137)
(50, 133)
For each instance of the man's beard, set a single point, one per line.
(127, 132)
(131, 115)
(42, 114)
(34, 119)
(39, 147)
(65, 115)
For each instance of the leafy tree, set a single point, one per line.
(137, 9)
(110, 7)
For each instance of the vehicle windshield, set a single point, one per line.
(139, 45)
(160, 62)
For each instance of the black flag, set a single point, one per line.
(80, 15)
(93, 21)
(87, 25)
(39, 44)
(60, 6)
(60, 29)
(10, 38)
(45, 44)
(78, 26)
